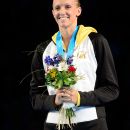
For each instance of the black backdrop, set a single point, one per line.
(24, 24)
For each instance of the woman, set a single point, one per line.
(92, 58)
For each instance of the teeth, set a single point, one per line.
(63, 17)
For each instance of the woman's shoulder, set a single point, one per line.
(96, 36)
(98, 40)
(43, 44)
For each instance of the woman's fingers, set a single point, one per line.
(62, 97)
(66, 95)
(73, 94)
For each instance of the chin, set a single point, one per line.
(64, 25)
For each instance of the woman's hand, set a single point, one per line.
(73, 94)
(62, 96)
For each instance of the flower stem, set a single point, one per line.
(69, 113)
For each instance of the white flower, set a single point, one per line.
(62, 66)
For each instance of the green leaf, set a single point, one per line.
(60, 84)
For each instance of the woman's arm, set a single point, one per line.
(39, 96)
(106, 86)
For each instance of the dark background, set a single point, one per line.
(24, 24)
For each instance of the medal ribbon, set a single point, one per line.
(59, 44)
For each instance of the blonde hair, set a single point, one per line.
(78, 3)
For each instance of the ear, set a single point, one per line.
(79, 11)
(53, 12)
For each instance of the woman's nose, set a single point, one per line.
(62, 11)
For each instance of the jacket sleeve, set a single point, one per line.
(39, 96)
(106, 86)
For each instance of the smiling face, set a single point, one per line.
(66, 12)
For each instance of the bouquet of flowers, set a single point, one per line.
(61, 73)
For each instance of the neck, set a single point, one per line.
(67, 34)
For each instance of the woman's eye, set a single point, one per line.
(57, 8)
(67, 6)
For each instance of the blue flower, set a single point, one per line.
(70, 60)
(49, 61)
(57, 58)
